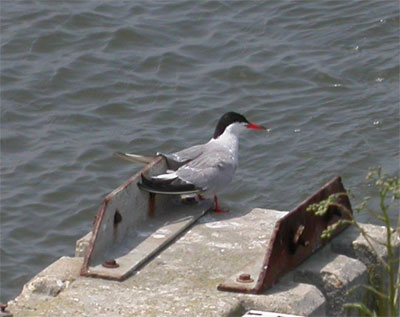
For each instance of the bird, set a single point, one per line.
(203, 169)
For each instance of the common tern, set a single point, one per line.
(203, 169)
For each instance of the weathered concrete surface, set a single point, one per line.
(45, 287)
(294, 297)
(183, 279)
(55, 278)
(82, 245)
(353, 244)
(334, 275)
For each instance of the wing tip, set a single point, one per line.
(135, 158)
(167, 188)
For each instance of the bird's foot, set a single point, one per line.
(216, 207)
(219, 210)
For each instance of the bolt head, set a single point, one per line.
(244, 278)
(110, 264)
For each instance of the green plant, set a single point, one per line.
(386, 298)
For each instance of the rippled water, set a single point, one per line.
(84, 79)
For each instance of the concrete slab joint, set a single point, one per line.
(334, 275)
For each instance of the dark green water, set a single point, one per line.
(81, 80)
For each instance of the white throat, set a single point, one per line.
(232, 131)
(230, 140)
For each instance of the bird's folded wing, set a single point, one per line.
(177, 159)
(208, 171)
(167, 187)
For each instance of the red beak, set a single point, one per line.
(254, 126)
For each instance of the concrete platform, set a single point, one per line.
(183, 279)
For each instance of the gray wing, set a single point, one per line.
(209, 172)
(177, 159)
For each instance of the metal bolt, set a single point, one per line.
(110, 264)
(244, 278)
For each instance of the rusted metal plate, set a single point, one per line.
(131, 226)
(296, 236)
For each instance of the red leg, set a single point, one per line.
(216, 207)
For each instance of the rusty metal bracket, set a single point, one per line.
(129, 230)
(296, 236)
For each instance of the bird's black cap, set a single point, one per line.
(226, 120)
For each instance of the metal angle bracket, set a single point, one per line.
(296, 237)
(128, 233)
